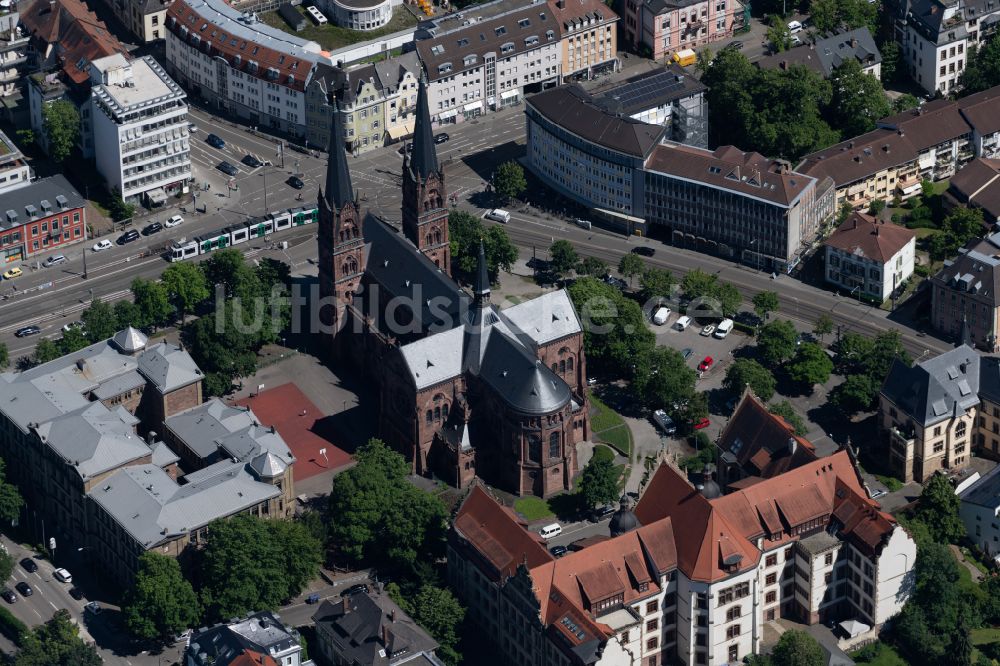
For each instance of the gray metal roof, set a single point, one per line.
(130, 340)
(423, 161)
(984, 492)
(338, 190)
(521, 379)
(936, 389)
(168, 367)
(93, 440)
(214, 425)
(548, 317)
(129, 381)
(261, 632)
(54, 190)
(163, 455)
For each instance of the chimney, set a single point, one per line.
(854, 42)
(151, 437)
(855, 223)
(793, 445)
(345, 603)
(876, 231)
(392, 615)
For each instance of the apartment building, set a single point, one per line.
(13, 52)
(964, 300)
(928, 413)
(589, 36)
(827, 53)
(686, 577)
(359, 14)
(40, 217)
(240, 66)
(977, 185)
(259, 638)
(980, 513)
(491, 60)
(931, 142)
(140, 123)
(79, 436)
(938, 36)
(660, 28)
(869, 257)
(145, 19)
(14, 170)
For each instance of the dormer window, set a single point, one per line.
(531, 41)
(437, 49)
(524, 23)
(444, 68)
(507, 48)
(469, 60)
(502, 30)
(550, 35)
(463, 42)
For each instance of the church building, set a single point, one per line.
(464, 388)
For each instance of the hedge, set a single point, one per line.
(11, 627)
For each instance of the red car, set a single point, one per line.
(705, 364)
(698, 425)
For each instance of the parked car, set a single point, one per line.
(24, 589)
(441, 138)
(708, 330)
(13, 273)
(878, 493)
(644, 251)
(701, 423)
(29, 565)
(251, 161)
(62, 575)
(498, 215)
(54, 260)
(25, 332)
(736, 45)
(192, 128)
(558, 551)
(296, 182)
(102, 244)
(128, 237)
(405, 148)
(93, 607)
(665, 423)
(660, 315)
(601, 512)
(173, 221)
(313, 598)
(76, 593)
(686, 352)
(153, 228)
(617, 283)
(215, 141)
(360, 588)
(8, 595)
(71, 325)
(227, 168)
(705, 364)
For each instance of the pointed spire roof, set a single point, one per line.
(338, 189)
(130, 340)
(481, 288)
(964, 335)
(423, 159)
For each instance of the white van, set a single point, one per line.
(682, 323)
(794, 27)
(550, 531)
(584, 224)
(498, 215)
(62, 576)
(723, 329)
(661, 315)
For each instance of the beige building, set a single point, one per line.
(964, 291)
(589, 36)
(145, 19)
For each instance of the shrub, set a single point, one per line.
(11, 627)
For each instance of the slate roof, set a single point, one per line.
(546, 318)
(422, 161)
(978, 184)
(168, 367)
(980, 109)
(985, 492)
(214, 426)
(827, 53)
(371, 629)
(976, 269)
(130, 340)
(54, 190)
(864, 236)
(74, 33)
(749, 174)
(339, 190)
(572, 108)
(93, 440)
(224, 644)
(936, 389)
(521, 379)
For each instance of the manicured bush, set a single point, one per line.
(11, 627)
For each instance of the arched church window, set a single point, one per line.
(569, 364)
(430, 416)
(554, 444)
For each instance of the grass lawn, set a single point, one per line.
(332, 37)
(890, 482)
(885, 655)
(985, 635)
(619, 437)
(533, 508)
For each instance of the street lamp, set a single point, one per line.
(756, 252)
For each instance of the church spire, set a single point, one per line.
(964, 335)
(481, 287)
(423, 161)
(339, 190)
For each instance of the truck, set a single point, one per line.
(685, 57)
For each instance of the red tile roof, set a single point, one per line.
(759, 440)
(75, 33)
(252, 658)
(863, 234)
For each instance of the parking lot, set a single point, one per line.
(721, 351)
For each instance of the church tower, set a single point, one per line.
(340, 237)
(425, 212)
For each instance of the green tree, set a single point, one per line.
(465, 232)
(857, 393)
(4, 355)
(797, 648)
(729, 299)
(876, 207)
(663, 380)
(508, 180)
(46, 350)
(960, 648)
(126, 314)
(825, 15)
(563, 256)
(765, 303)
(599, 482)
(56, 643)
(699, 284)
(811, 365)
(72, 340)
(904, 102)
(438, 611)
(229, 268)
(858, 99)
(153, 303)
(251, 563)
(982, 70)
(938, 509)
(958, 228)
(778, 35)
(6, 566)
(776, 341)
(224, 352)
(747, 372)
(99, 321)
(118, 208)
(186, 287)
(377, 516)
(61, 124)
(160, 603)
(785, 410)
(615, 333)
(890, 67)
(824, 326)
(631, 265)
(657, 283)
(592, 266)
(925, 627)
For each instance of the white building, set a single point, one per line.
(871, 256)
(359, 14)
(240, 66)
(139, 118)
(13, 53)
(980, 511)
(938, 36)
(14, 170)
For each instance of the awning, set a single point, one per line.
(448, 114)
(853, 628)
(400, 131)
(157, 196)
(508, 95)
(475, 106)
(910, 189)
